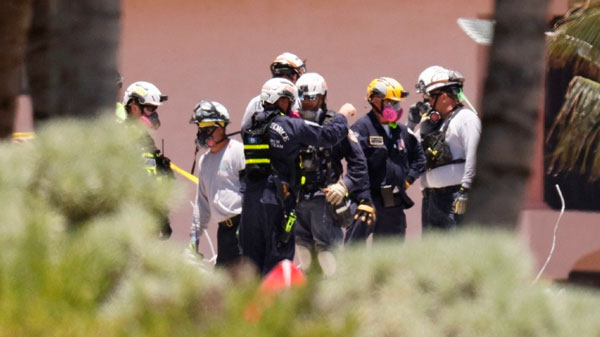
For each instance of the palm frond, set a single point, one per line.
(576, 40)
(577, 129)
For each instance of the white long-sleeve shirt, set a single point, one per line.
(462, 136)
(218, 197)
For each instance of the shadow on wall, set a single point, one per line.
(586, 271)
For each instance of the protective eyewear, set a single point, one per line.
(207, 131)
(150, 108)
(309, 97)
(434, 95)
(394, 104)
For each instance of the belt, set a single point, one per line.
(445, 189)
(234, 220)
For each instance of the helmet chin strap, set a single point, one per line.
(226, 136)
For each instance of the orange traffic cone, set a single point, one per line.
(283, 276)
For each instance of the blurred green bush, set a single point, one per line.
(80, 257)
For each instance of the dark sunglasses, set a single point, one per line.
(433, 95)
(150, 108)
(207, 130)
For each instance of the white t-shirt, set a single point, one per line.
(462, 136)
(218, 197)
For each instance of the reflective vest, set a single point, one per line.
(257, 146)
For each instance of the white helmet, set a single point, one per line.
(436, 77)
(311, 84)
(207, 113)
(144, 93)
(276, 88)
(286, 63)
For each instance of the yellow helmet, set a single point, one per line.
(386, 88)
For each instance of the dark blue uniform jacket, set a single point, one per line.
(288, 135)
(392, 159)
(356, 178)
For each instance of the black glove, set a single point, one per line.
(460, 202)
(365, 212)
(416, 112)
(163, 164)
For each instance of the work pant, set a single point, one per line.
(390, 222)
(315, 225)
(228, 244)
(437, 211)
(262, 225)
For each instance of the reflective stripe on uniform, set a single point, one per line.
(258, 161)
(256, 146)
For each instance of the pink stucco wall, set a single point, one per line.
(221, 50)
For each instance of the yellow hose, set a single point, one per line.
(184, 173)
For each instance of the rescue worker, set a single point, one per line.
(288, 66)
(450, 148)
(272, 142)
(395, 159)
(324, 207)
(141, 101)
(218, 197)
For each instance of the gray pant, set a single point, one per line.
(315, 225)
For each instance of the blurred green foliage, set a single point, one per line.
(80, 257)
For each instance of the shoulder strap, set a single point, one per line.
(447, 124)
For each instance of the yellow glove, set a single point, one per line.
(366, 213)
(460, 203)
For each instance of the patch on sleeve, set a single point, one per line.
(352, 136)
(375, 140)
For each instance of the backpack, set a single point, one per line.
(257, 146)
(437, 151)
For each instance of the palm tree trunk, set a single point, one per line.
(72, 57)
(511, 104)
(14, 22)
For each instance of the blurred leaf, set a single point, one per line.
(576, 40)
(577, 129)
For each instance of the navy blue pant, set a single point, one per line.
(315, 225)
(437, 211)
(391, 221)
(261, 226)
(228, 244)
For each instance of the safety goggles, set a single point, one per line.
(304, 97)
(150, 108)
(393, 104)
(433, 95)
(207, 130)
